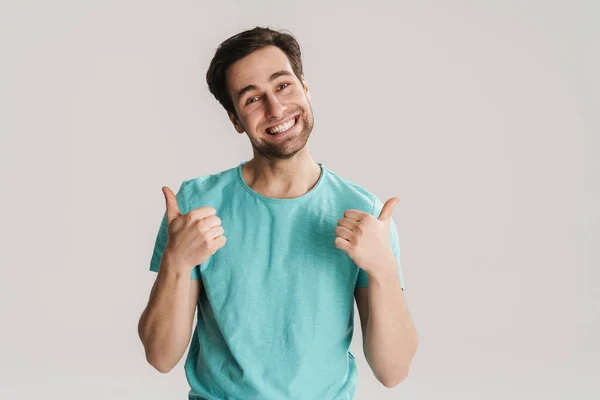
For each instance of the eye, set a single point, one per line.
(283, 86)
(252, 100)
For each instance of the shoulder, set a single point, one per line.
(352, 192)
(204, 183)
(209, 188)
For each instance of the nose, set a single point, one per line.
(274, 107)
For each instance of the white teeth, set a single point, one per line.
(283, 127)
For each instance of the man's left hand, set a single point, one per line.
(366, 239)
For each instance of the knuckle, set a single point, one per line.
(189, 217)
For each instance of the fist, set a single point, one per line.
(193, 237)
(366, 239)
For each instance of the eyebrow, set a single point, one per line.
(273, 76)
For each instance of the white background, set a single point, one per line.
(481, 116)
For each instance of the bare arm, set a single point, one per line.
(389, 336)
(165, 327)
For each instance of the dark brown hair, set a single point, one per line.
(239, 46)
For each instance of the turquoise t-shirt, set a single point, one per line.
(276, 314)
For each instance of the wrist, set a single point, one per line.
(386, 273)
(171, 263)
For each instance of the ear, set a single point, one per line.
(305, 85)
(238, 127)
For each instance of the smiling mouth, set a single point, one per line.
(283, 127)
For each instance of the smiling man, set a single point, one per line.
(272, 253)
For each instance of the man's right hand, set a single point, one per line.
(193, 237)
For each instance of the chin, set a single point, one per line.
(287, 151)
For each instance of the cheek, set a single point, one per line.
(254, 120)
(303, 99)
(251, 121)
(245, 117)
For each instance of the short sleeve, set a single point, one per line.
(363, 278)
(163, 233)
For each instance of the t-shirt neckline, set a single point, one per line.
(277, 200)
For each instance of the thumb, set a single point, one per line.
(388, 209)
(171, 203)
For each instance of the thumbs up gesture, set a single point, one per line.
(193, 237)
(366, 239)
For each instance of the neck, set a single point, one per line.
(282, 178)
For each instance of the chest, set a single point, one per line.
(280, 263)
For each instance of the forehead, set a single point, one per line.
(256, 68)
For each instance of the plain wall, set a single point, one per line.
(481, 116)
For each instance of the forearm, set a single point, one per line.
(391, 339)
(166, 323)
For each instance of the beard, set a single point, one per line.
(288, 148)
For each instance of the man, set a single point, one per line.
(273, 252)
